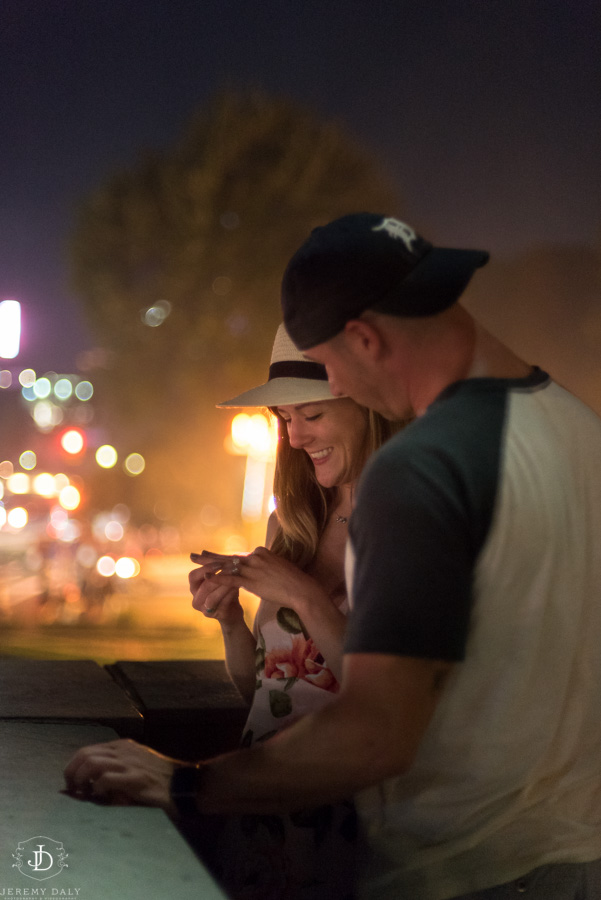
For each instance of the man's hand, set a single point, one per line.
(122, 773)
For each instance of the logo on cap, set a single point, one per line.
(398, 230)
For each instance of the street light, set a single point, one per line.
(10, 328)
(256, 438)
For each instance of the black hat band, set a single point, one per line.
(298, 369)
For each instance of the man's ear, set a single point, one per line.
(364, 337)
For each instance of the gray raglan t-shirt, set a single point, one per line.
(477, 539)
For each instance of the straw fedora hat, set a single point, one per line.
(292, 379)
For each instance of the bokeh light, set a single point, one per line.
(60, 481)
(63, 389)
(43, 484)
(106, 566)
(28, 460)
(17, 517)
(70, 531)
(46, 415)
(69, 497)
(106, 456)
(127, 567)
(18, 483)
(84, 390)
(134, 464)
(113, 531)
(72, 441)
(27, 378)
(6, 468)
(42, 388)
(6, 378)
(155, 315)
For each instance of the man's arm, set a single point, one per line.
(370, 733)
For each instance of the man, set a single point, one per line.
(469, 719)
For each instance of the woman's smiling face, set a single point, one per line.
(332, 433)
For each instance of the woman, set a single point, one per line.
(291, 664)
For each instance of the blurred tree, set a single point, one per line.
(196, 238)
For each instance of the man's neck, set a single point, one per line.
(459, 348)
(492, 359)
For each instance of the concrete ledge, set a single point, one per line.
(191, 709)
(65, 691)
(112, 852)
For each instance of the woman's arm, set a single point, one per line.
(278, 581)
(218, 602)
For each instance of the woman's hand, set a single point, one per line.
(273, 579)
(214, 600)
(220, 601)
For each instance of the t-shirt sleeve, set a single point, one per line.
(413, 550)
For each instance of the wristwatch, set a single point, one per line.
(184, 788)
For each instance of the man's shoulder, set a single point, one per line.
(462, 423)
(454, 451)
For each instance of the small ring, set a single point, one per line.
(210, 609)
(235, 570)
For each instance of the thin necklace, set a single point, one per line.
(342, 520)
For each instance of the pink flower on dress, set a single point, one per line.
(301, 660)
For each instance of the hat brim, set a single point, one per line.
(436, 282)
(282, 392)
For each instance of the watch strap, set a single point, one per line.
(184, 788)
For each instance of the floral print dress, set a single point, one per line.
(309, 855)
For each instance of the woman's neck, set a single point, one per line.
(343, 503)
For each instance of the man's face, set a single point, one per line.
(334, 356)
(353, 371)
(347, 374)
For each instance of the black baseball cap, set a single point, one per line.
(369, 261)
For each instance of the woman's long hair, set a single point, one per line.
(303, 505)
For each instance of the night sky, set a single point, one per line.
(486, 112)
